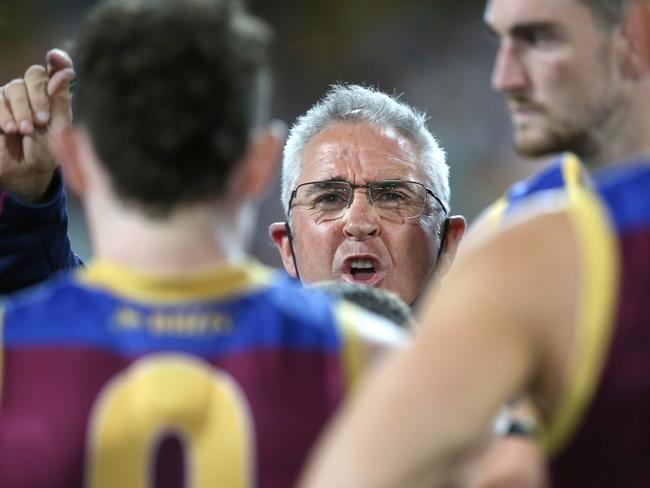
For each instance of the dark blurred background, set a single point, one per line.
(437, 54)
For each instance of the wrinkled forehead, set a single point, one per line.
(360, 153)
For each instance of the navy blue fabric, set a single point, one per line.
(34, 240)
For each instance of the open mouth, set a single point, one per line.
(362, 271)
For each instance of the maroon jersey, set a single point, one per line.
(600, 436)
(114, 379)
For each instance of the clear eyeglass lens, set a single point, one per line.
(393, 200)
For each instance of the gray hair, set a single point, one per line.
(354, 103)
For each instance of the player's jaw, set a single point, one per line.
(535, 130)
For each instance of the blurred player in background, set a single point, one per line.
(172, 356)
(558, 68)
(568, 91)
(376, 300)
(559, 311)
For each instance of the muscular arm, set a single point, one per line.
(485, 337)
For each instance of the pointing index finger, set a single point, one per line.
(57, 59)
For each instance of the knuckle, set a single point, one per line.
(15, 88)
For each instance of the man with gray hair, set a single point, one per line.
(397, 233)
(355, 140)
(566, 320)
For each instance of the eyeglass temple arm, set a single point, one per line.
(442, 205)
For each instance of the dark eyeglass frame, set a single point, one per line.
(368, 194)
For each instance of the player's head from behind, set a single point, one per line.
(365, 191)
(571, 75)
(172, 96)
(382, 302)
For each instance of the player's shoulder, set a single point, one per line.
(376, 332)
(317, 308)
(625, 189)
(55, 292)
(44, 307)
(564, 171)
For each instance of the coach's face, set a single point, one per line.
(361, 246)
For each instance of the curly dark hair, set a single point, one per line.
(170, 91)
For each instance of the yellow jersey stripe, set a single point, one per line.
(347, 319)
(596, 308)
(571, 171)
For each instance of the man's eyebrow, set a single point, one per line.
(533, 26)
(333, 179)
(524, 28)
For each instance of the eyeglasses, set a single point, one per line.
(394, 200)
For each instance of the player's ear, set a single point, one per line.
(257, 168)
(67, 148)
(635, 40)
(455, 229)
(642, 15)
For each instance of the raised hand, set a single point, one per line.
(32, 108)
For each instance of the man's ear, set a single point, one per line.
(642, 15)
(67, 147)
(257, 169)
(456, 226)
(636, 37)
(279, 233)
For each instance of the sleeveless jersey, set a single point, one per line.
(112, 378)
(564, 172)
(600, 434)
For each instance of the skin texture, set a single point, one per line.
(570, 85)
(559, 71)
(436, 400)
(404, 255)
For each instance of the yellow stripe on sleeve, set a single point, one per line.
(596, 308)
(571, 172)
(353, 349)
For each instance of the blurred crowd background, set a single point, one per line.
(437, 54)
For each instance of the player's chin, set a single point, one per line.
(531, 143)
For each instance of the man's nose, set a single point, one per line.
(361, 217)
(509, 74)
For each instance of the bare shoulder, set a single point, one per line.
(536, 243)
(520, 284)
(530, 267)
